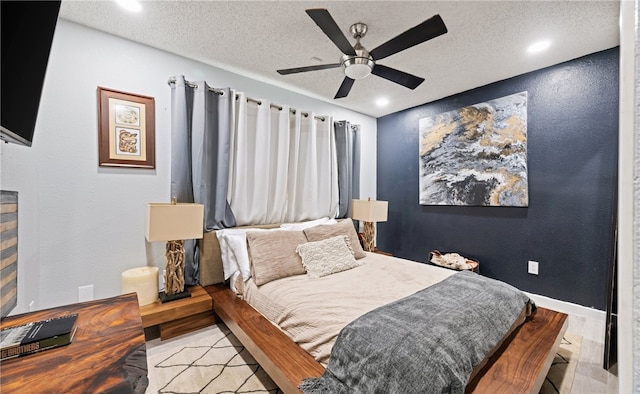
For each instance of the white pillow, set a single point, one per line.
(232, 282)
(237, 243)
(233, 251)
(331, 255)
(310, 223)
(229, 265)
(230, 241)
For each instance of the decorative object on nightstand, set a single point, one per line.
(174, 223)
(369, 211)
(143, 281)
(455, 261)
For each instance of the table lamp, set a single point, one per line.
(174, 222)
(369, 212)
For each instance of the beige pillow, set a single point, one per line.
(326, 257)
(273, 254)
(343, 227)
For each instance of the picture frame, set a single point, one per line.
(126, 129)
(476, 155)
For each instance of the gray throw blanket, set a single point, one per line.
(428, 342)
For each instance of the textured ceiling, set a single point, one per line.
(486, 42)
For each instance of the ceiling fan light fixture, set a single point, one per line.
(360, 65)
(357, 62)
(357, 67)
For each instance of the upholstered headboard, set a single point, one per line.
(210, 259)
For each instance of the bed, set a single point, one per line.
(518, 362)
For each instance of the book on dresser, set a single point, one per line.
(37, 336)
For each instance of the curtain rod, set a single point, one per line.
(172, 81)
(293, 111)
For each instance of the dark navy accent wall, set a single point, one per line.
(572, 130)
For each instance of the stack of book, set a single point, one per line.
(37, 336)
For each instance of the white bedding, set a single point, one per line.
(313, 311)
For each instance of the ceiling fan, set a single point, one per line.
(358, 63)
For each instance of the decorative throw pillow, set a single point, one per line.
(326, 257)
(273, 254)
(343, 227)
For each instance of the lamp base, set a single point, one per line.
(369, 233)
(164, 297)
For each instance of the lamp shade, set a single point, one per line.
(369, 210)
(168, 222)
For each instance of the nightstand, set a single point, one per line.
(382, 252)
(376, 250)
(178, 317)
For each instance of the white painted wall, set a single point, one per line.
(628, 201)
(81, 224)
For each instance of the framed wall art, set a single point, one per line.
(476, 155)
(126, 129)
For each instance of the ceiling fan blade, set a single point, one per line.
(397, 76)
(431, 28)
(325, 21)
(295, 70)
(344, 89)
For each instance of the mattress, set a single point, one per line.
(313, 311)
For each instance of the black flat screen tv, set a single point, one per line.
(27, 29)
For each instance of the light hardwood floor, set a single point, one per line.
(590, 377)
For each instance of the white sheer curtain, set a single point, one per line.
(283, 166)
(313, 169)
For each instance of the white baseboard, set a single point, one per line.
(567, 307)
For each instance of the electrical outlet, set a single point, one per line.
(85, 293)
(533, 267)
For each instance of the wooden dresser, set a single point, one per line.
(107, 355)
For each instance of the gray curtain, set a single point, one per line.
(348, 152)
(200, 137)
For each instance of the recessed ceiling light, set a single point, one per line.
(130, 5)
(539, 46)
(382, 102)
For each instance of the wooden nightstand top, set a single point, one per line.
(158, 313)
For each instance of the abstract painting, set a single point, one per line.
(476, 155)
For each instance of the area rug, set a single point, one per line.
(211, 361)
(214, 361)
(563, 368)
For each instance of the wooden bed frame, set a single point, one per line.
(519, 366)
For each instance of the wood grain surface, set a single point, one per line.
(179, 317)
(107, 355)
(284, 361)
(522, 363)
(158, 312)
(519, 366)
